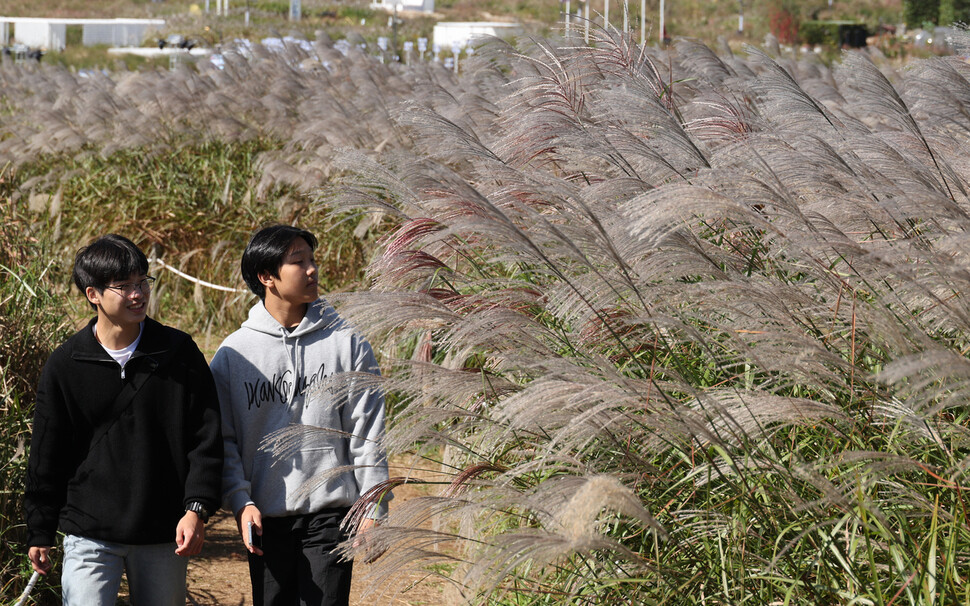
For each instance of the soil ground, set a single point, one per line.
(219, 576)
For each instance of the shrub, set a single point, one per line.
(819, 32)
(918, 12)
(355, 13)
(954, 11)
(272, 7)
(32, 324)
(834, 33)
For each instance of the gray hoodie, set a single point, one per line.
(268, 379)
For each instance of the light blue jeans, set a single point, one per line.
(91, 573)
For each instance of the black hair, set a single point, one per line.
(109, 258)
(265, 253)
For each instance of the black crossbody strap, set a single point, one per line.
(124, 399)
(137, 380)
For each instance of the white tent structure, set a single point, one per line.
(424, 6)
(51, 34)
(448, 34)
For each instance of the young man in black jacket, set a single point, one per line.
(126, 451)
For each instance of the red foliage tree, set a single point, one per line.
(784, 25)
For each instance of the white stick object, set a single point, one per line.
(28, 589)
(606, 15)
(662, 31)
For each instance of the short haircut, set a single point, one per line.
(265, 253)
(107, 259)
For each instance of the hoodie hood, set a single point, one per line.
(319, 315)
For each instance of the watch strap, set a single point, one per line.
(199, 509)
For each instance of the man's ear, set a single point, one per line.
(266, 278)
(93, 296)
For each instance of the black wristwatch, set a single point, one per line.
(199, 509)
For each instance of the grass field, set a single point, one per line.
(676, 325)
(706, 21)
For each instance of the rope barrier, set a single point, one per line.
(197, 280)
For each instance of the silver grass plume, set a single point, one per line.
(722, 287)
(727, 292)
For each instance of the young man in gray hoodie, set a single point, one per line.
(275, 373)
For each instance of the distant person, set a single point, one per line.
(269, 374)
(126, 451)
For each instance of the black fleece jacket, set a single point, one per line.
(122, 469)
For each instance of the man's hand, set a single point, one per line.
(365, 525)
(40, 559)
(246, 516)
(189, 534)
(369, 548)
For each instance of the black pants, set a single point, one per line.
(299, 565)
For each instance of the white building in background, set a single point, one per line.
(423, 6)
(450, 34)
(51, 34)
(33, 32)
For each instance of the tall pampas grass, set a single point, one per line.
(189, 162)
(307, 103)
(690, 328)
(675, 326)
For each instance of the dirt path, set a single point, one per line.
(220, 575)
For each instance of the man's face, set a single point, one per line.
(297, 281)
(123, 302)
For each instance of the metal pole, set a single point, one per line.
(394, 34)
(606, 14)
(586, 18)
(643, 22)
(662, 33)
(567, 16)
(740, 16)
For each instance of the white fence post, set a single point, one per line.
(643, 22)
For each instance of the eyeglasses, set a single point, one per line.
(126, 290)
